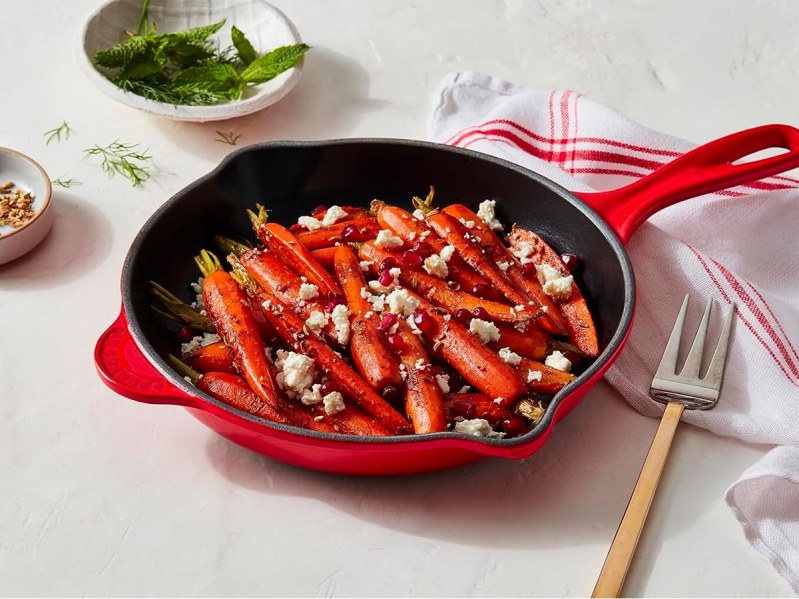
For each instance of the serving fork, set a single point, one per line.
(679, 391)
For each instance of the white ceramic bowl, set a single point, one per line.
(263, 24)
(30, 177)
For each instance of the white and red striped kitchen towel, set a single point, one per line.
(734, 246)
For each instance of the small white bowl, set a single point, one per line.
(29, 176)
(263, 24)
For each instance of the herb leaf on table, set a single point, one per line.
(120, 158)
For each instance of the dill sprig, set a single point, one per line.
(227, 137)
(120, 158)
(55, 134)
(62, 181)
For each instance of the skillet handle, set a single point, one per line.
(706, 169)
(122, 366)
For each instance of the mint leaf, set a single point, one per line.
(195, 35)
(272, 64)
(243, 46)
(123, 53)
(223, 74)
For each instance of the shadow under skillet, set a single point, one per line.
(78, 242)
(573, 491)
(328, 102)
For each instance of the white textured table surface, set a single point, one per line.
(103, 496)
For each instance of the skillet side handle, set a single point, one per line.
(706, 169)
(122, 366)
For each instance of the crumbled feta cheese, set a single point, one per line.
(379, 287)
(469, 224)
(447, 317)
(197, 288)
(420, 364)
(533, 375)
(414, 329)
(188, 379)
(365, 293)
(553, 282)
(387, 239)
(418, 214)
(267, 304)
(334, 402)
(309, 222)
(487, 215)
(316, 321)
(333, 215)
(465, 389)
(503, 266)
(341, 320)
(378, 302)
(479, 427)
(318, 418)
(557, 360)
(521, 327)
(524, 251)
(435, 265)
(395, 272)
(403, 372)
(510, 357)
(485, 330)
(424, 235)
(412, 235)
(198, 342)
(308, 291)
(296, 372)
(498, 400)
(401, 302)
(312, 395)
(365, 264)
(446, 253)
(443, 382)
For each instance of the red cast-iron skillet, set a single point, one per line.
(291, 178)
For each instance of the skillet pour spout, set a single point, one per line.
(294, 177)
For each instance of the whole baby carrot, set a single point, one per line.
(228, 308)
(359, 229)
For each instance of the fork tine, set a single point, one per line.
(715, 371)
(668, 363)
(693, 362)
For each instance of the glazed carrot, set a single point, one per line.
(531, 343)
(551, 320)
(215, 357)
(373, 360)
(274, 276)
(441, 294)
(324, 256)
(350, 277)
(377, 365)
(367, 228)
(411, 229)
(350, 421)
(579, 322)
(229, 309)
(291, 252)
(474, 405)
(290, 328)
(474, 360)
(422, 394)
(458, 236)
(541, 378)
(352, 212)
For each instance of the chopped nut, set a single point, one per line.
(15, 205)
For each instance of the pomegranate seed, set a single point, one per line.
(480, 313)
(396, 342)
(185, 334)
(482, 290)
(331, 304)
(388, 321)
(329, 387)
(411, 259)
(392, 394)
(464, 407)
(529, 269)
(424, 322)
(318, 210)
(424, 249)
(385, 278)
(513, 425)
(463, 316)
(570, 261)
(352, 233)
(388, 263)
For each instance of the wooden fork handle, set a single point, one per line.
(617, 563)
